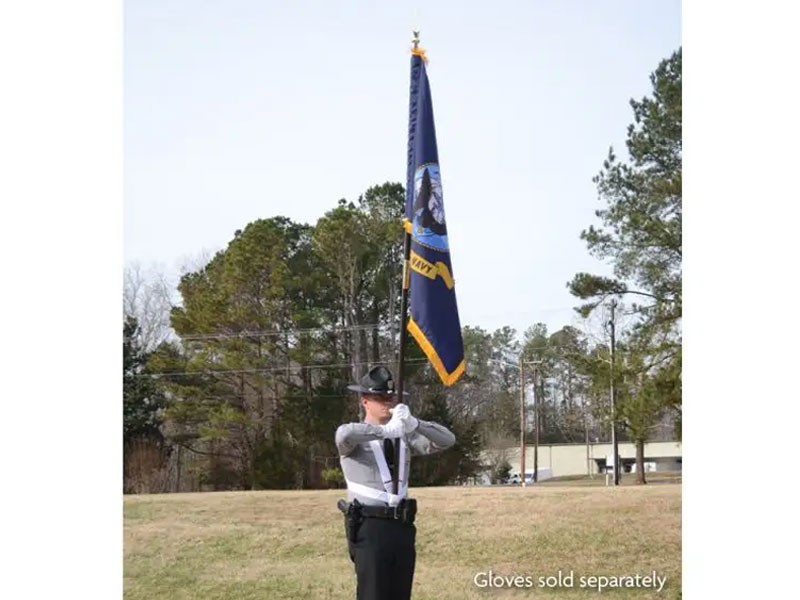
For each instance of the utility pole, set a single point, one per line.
(522, 423)
(178, 478)
(586, 431)
(535, 429)
(614, 442)
(523, 420)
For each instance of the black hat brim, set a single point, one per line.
(360, 389)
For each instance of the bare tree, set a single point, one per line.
(147, 295)
(190, 263)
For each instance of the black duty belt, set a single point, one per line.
(406, 511)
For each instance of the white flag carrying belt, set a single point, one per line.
(386, 475)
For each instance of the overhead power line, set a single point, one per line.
(266, 334)
(274, 333)
(267, 370)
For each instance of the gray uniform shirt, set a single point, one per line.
(358, 461)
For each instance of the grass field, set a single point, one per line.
(290, 545)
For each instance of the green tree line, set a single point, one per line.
(271, 329)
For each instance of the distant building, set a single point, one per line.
(560, 460)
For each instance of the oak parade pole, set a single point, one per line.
(403, 337)
(403, 318)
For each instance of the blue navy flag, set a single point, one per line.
(433, 311)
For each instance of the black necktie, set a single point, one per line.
(388, 452)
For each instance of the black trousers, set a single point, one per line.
(384, 556)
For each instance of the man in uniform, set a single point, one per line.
(380, 524)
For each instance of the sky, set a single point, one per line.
(241, 110)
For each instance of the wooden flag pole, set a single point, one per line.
(403, 317)
(402, 354)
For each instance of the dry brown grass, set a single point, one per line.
(273, 544)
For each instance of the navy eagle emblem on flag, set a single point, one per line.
(433, 321)
(430, 227)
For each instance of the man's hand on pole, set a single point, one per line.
(394, 428)
(403, 413)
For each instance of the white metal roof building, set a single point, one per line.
(559, 460)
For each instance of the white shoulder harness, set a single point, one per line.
(386, 476)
